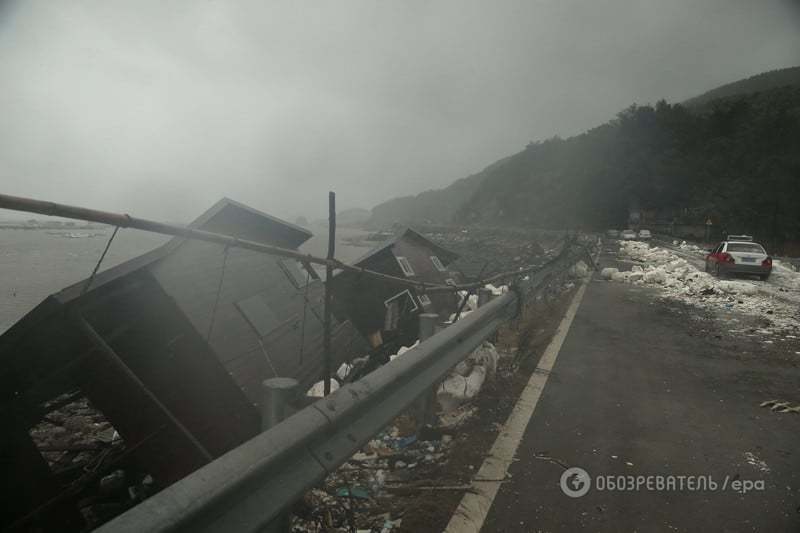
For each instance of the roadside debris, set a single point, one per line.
(781, 406)
(466, 379)
(753, 460)
(403, 459)
(680, 280)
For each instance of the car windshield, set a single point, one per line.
(750, 247)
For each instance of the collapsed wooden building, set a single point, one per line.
(171, 347)
(384, 312)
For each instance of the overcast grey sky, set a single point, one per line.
(160, 108)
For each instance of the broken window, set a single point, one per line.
(398, 305)
(392, 317)
(405, 265)
(438, 264)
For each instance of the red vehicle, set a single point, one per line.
(739, 255)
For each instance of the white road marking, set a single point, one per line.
(474, 507)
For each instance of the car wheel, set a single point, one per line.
(764, 277)
(717, 271)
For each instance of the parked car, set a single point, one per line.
(645, 234)
(612, 234)
(739, 255)
(628, 235)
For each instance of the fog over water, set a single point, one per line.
(160, 108)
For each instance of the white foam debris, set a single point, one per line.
(681, 280)
(579, 270)
(608, 272)
(497, 291)
(753, 460)
(472, 300)
(784, 275)
(467, 378)
(692, 248)
(317, 390)
(657, 275)
(402, 350)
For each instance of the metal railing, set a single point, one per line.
(251, 485)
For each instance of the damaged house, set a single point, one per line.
(385, 312)
(170, 348)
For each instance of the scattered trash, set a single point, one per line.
(113, 482)
(609, 272)
(753, 460)
(781, 406)
(317, 390)
(579, 270)
(466, 380)
(353, 492)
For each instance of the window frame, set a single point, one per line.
(405, 265)
(437, 263)
(405, 292)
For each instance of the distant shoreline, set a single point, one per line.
(52, 227)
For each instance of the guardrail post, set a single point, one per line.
(423, 407)
(484, 296)
(427, 325)
(279, 394)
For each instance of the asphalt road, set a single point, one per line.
(640, 389)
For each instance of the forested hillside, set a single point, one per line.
(760, 82)
(739, 161)
(437, 206)
(735, 158)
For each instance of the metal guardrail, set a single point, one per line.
(248, 487)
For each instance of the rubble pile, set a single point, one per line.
(361, 495)
(72, 434)
(488, 251)
(680, 280)
(83, 449)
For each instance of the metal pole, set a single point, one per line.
(112, 356)
(427, 325)
(423, 407)
(484, 296)
(329, 291)
(279, 394)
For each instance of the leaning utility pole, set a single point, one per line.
(329, 292)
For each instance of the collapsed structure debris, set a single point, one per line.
(169, 350)
(159, 351)
(381, 311)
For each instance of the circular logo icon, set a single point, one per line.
(575, 482)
